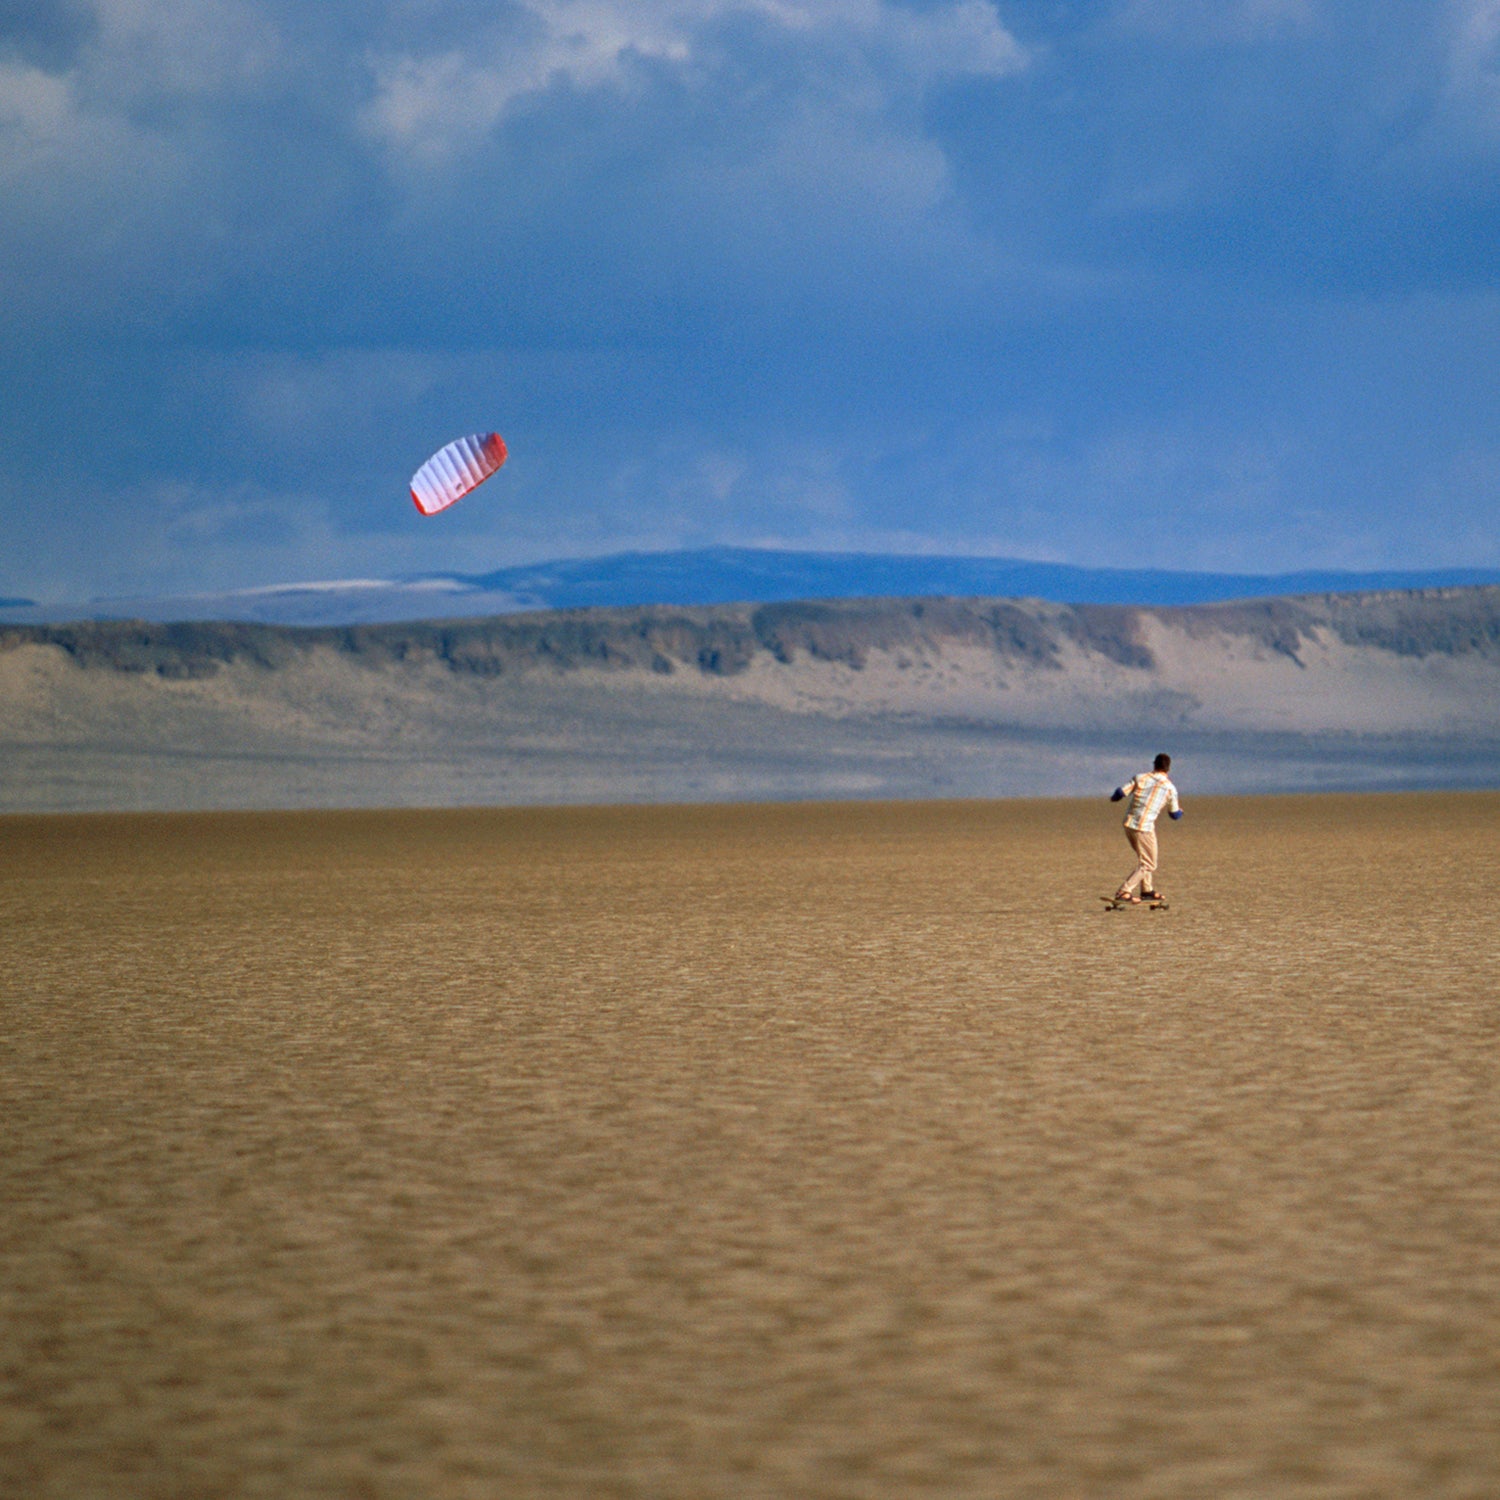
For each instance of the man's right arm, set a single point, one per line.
(1120, 792)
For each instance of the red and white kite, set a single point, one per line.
(453, 471)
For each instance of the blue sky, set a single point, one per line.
(1148, 282)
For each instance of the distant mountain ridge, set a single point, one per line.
(946, 697)
(732, 575)
(725, 575)
(727, 640)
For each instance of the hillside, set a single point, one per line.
(936, 696)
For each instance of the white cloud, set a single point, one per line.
(429, 106)
(966, 39)
(75, 126)
(37, 116)
(1476, 36)
(155, 47)
(1473, 83)
(65, 164)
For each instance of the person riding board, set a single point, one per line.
(1148, 794)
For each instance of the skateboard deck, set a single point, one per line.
(1116, 903)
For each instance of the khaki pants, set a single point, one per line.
(1143, 877)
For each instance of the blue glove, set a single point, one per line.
(1118, 795)
(1174, 816)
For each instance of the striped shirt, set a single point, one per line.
(1149, 793)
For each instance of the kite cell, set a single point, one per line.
(453, 471)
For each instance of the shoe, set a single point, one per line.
(1152, 896)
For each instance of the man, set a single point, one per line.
(1148, 793)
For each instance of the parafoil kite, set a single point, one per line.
(453, 471)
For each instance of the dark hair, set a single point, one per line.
(1163, 762)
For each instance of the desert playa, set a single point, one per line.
(838, 1150)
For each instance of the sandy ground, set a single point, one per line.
(799, 1151)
